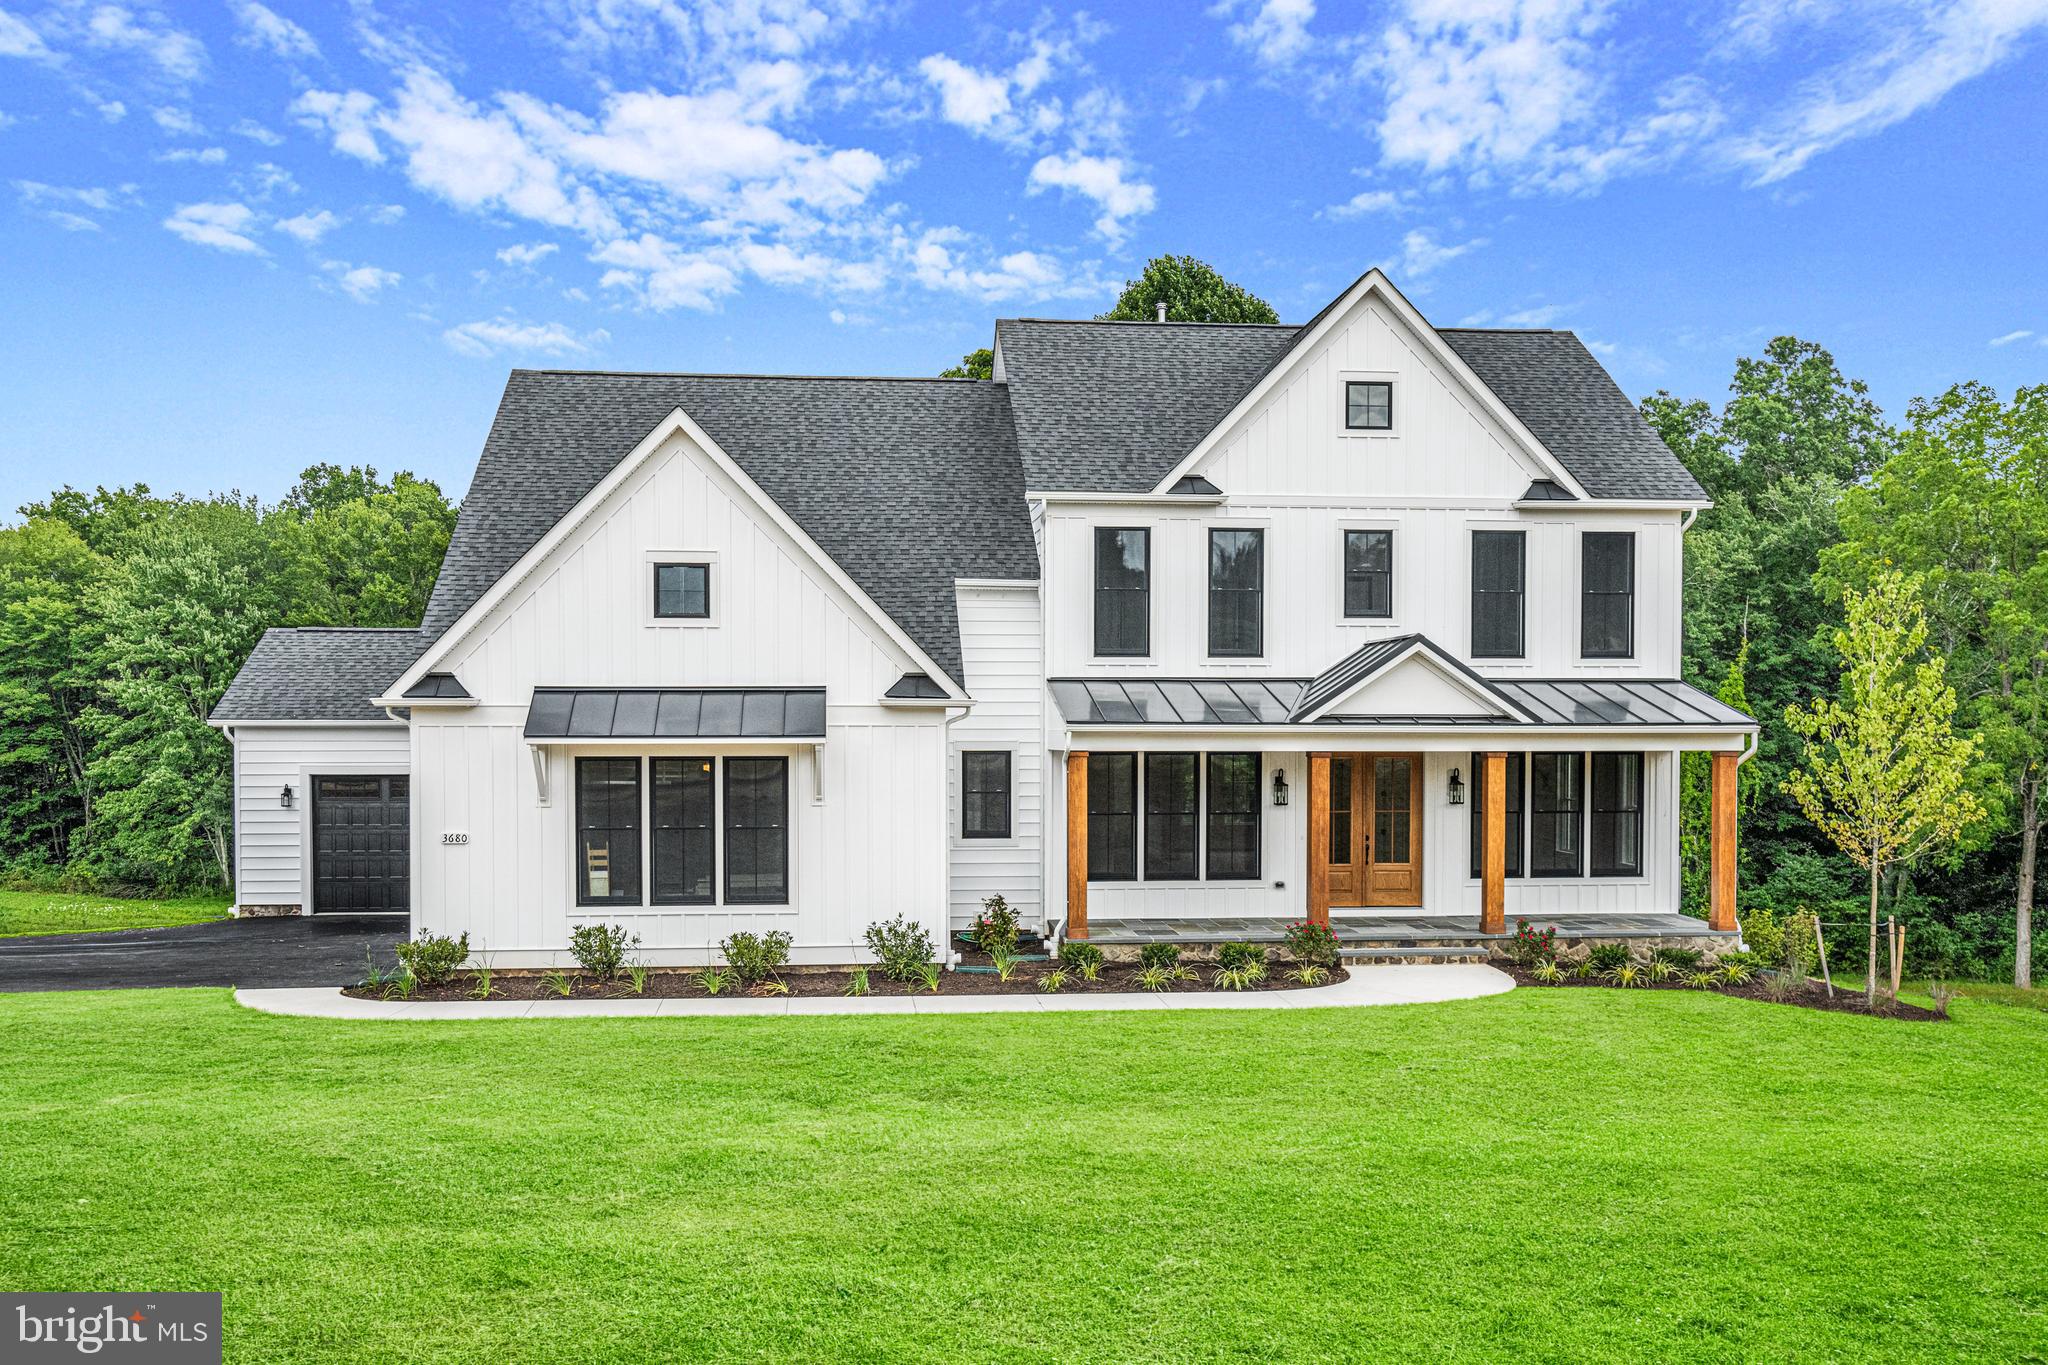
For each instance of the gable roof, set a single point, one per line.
(906, 483)
(317, 673)
(1344, 677)
(1113, 407)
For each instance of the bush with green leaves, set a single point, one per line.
(1605, 957)
(997, 929)
(900, 947)
(1531, 945)
(1683, 958)
(431, 959)
(601, 948)
(754, 957)
(1166, 955)
(1549, 971)
(1312, 944)
(1082, 959)
(1236, 955)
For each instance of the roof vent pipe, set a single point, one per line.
(1162, 310)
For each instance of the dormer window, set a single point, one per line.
(1369, 405)
(682, 592)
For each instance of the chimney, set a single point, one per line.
(1162, 310)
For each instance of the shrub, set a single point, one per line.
(1054, 981)
(900, 947)
(1737, 968)
(1605, 957)
(1627, 974)
(1773, 939)
(1685, 958)
(1082, 959)
(1549, 971)
(1531, 945)
(1235, 978)
(1310, 974)
(1939, 993)
(601, 948)
(1155, 978)
(754, 957)
(714, 981)
(996, 930)
(1657, 971)
(1705, 979)
(431, 959)
(1312, 944)
(1236, 955)
(1166, 955)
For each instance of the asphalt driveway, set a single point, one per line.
(318, 950)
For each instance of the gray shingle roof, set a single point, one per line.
(318, 673)
(907, 484)
(1114, 406)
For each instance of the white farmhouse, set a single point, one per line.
(1171, 630)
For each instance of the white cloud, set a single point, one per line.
(1365, 202)
(524, 254)
(223, 226)
(1422, 253)
(17, 39)
(487, 338)
(263, 27)
(384, 215)
(935, 261)
(1101, 179)
(204, 156)
(2010, 337)
(663, 275)
(113, 111)
(309, 227)
(1275, 31)
(256, 132)
(176, 121)
(973, 99)
(266, 178)
(177, 54)
(360, 282)
(60, 204)
(1540, 315)
(345, 117)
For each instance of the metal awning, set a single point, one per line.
(665, 713)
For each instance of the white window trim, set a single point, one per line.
(1346, 378)
(1400, 587)
(714, 586)
(578, 913)
(959, 821)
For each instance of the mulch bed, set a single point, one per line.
(1812, 995)
(674, 983)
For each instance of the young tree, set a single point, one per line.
(979, 364)
(1192, 292)
(1883, 773)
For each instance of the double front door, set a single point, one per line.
(1375, 829)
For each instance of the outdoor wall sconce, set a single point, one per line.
(284, 798)
(1279, 787)
(1457, 789)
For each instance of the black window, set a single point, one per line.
(1112, 817)
(1514, 814)
(985, 794)
(1607, 595)
(608, 831)
(1171, 797)
(1233, 817)
(1123, 592)
(682, 833)
(1497, 561)
(1237, 593)
(756, 831)
(1368, 573)
(682, 590)
(1617, 833)
(1556, 801)
(1368, 405)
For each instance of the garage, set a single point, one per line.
(362, 845)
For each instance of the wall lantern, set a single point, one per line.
(1279, 787)
(284, 798)
(1457, 789)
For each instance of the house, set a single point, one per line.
(1171, 627)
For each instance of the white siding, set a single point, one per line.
(999, 641)
(270, 841)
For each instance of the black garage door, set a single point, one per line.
(362, 844)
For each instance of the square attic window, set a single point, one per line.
(682, 591)
(1369, 405)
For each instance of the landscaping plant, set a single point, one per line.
(636, 977)
(928, 976)
(1249, 958)
(1737, 969)
(1155, 978)
(480, 984)
(601, 949)
(900, 948)
(1310, 974)
(1549, 971)
(560, 982)
(1006, 965)
(1531, 945)
(996, 931)
(1054, 981)
(433, 958)
(753, 958)
(714, 981)
(1311, 943)
(857, 984)
(1083, 959)
(1605, 957)
(1165, 955)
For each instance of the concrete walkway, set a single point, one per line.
(1394, 985)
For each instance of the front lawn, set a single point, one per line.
(69, 912)
(1561, 1175)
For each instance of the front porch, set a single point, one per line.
(1362, 928)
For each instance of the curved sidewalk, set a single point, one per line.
(1391, 985)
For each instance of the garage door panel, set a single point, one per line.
(361, 844)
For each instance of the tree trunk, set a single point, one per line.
(2023, 902)
(1870, 977)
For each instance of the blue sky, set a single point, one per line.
(242, 237)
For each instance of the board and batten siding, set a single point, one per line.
(272, 844)
(1000, 645)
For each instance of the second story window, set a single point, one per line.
(1497, 579)
(1368, 573)
(682, 591)
(1607, 595)
(1123, 591)
(1368, 405)
(1237, 594)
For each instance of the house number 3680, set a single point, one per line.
(450, 837)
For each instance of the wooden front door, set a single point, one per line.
(1375, 829)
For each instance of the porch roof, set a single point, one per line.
(573, 713)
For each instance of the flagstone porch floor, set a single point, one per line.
(1370, 927)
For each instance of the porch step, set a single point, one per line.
(1416, 953)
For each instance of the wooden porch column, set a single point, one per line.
(1077, 843)
(1319, 838)
(1721, 895)
(1493, 862)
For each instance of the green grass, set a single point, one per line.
(1556, 1175)
(69, 912)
